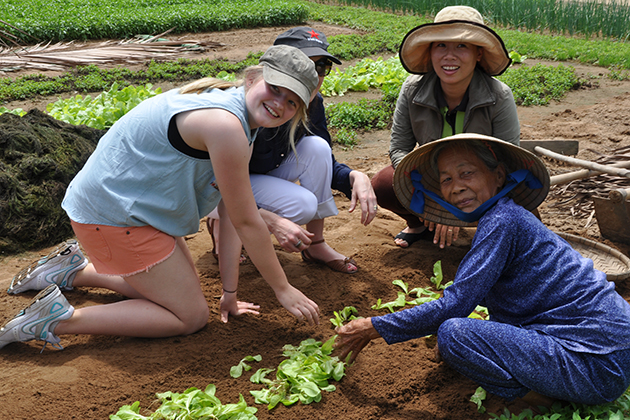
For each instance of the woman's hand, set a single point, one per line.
(363, 193)
(354, 336)
(287, 233)
(299, 305)
(230, 306)
(444, 235)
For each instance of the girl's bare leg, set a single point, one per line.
(173, 304)
(88, 277)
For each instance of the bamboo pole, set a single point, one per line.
(583, 173)
(608, 169)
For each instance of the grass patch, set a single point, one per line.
(590, 18)
(57, 20)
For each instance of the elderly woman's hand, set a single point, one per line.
(354, 336)
(444, 235)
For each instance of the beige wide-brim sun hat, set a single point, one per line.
(454, 24)
(420, 159)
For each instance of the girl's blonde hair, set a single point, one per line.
(253, 73)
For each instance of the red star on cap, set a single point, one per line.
(314, 34)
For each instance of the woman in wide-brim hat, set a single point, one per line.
(451, 90)
(557, 330)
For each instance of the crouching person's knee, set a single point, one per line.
(449, 338)
(196, 320)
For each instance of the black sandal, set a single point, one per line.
(410, 238)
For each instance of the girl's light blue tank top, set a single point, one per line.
(135, 177)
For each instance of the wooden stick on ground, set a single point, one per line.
(583, 173)
(583, 163)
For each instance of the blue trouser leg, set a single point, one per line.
(510, 361)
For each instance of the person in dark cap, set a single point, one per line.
(276, 164)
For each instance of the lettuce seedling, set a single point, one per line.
(346, 314)
(517, 58)
(437, 276)
(400, 302)
(302, 377)
(237, 371)
(191, 404)
(422, 295)
(478, 398)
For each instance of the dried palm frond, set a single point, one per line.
(61, 56)
(576, 196)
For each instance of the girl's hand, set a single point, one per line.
(354, 336)
(299, 305)
(230, 306)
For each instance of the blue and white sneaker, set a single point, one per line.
(59, 267)
(38, 320)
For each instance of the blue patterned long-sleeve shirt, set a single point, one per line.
(526, 276)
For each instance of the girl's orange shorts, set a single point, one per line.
(123, 251)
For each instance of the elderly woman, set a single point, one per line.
(557, 328)
(451, 91)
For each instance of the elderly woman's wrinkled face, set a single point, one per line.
(454, 62)
(465, 181)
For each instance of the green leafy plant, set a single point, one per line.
(437, 276)
(80, 20)
(588, 17)
(237, 371)
(615, 73)
(345, 136)
(539, 84)
(346, 314)
(93, 79)
(302, 376)
(517, 58)
(365, 114)
(422, 296)
(224, 75)
(616, 410)
(366, 74)
(192, 404)
(104, 110)
(478, 398)
(17, 111)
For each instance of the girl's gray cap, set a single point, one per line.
(290, 68)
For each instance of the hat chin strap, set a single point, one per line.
(512, 180)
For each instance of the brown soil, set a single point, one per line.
(95, 375)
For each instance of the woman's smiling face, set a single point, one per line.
(465, 180)
(269, 105)
(454, 62)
